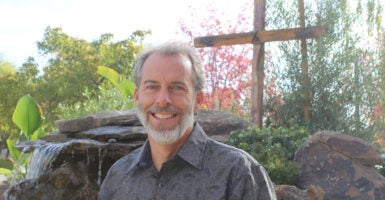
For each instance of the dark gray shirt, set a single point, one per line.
(203, 169)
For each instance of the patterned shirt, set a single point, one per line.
(203, 169)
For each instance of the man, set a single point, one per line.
(178, 161)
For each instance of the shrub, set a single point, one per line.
(108, 99)
(274, 148)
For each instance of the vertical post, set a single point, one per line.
(258, 73)
(304, 67)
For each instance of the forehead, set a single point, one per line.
(167, 66)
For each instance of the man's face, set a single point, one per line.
(166, 98)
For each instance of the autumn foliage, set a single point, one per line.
(228, 68)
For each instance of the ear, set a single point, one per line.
(136, 97)
(198, 100)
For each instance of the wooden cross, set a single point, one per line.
(258, 37)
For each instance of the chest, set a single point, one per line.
(176, 181)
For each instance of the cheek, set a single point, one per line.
(143, 101)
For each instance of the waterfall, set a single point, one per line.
(101, 157)
(42, 158)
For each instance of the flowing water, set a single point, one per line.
(42, 158)
(102, 154)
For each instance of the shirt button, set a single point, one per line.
(142, 164)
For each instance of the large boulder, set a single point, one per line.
(342, 165)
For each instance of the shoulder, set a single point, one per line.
(126, 161)
(122, 165)
(246, 178)
(233, 161)
(227, 152)
(116, 174)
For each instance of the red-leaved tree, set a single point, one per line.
(228, 68)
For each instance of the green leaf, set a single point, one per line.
(6, 164)
(125, 86)
(38, 134)
(27, 115)
(109, 73)
(5, 171)
(14, 152)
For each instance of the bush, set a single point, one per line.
(274, 148)
(108, 99)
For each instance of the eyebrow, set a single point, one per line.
(149, 81)
(173, 82)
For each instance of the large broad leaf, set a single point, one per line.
(125, 86)
(27, 115)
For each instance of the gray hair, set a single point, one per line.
(172, 48)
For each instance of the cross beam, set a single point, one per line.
(259, 37)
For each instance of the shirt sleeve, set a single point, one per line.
(250, 182)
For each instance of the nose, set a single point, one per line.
(163, 98)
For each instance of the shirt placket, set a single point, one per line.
(169, 169)
(161, 187)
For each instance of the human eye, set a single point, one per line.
(178, 88)
(150, 87)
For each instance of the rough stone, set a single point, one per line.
(213, 122)
(342, 165)
(103, 118)
(69, 181)
(119, 133)
(216, 123)
(290, 192)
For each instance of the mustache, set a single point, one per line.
(170, 108)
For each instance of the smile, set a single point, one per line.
(163, 116)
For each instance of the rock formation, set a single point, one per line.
(72, 162)
(342, 166)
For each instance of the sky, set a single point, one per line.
(23, 22)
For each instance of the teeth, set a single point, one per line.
(163, 116)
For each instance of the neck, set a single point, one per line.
(161, 153)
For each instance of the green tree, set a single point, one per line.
(69, 76)
(9, 94)
(71, 69)
(342, 67)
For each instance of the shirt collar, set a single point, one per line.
(143, 159)
(192, 150)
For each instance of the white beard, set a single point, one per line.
(165, 137)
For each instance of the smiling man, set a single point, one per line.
(179, 161)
